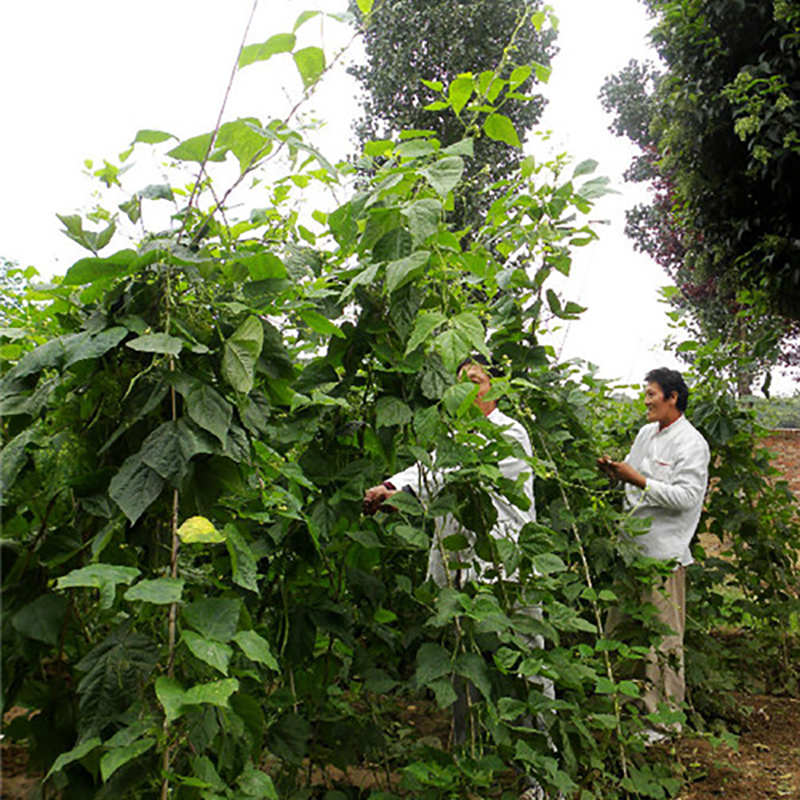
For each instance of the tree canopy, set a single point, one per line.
(719, 129)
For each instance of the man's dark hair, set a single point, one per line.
(479, 358)
(670, 380)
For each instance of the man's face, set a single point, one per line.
(479, 376)
(659, 408)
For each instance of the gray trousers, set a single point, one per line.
(662, 669)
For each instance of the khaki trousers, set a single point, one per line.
(662, 669)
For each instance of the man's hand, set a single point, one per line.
(374, 499)
(620, 471)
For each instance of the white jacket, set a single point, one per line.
(675, 462)
(510, 518)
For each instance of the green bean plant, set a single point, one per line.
(194, 604)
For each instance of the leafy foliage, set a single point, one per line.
(718, 149)
(435, 66)
(194, 604)
(749, 155)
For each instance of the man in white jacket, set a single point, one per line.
(423, 483)
(458, 568)
(665, 476)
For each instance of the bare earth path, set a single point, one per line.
(765, 765)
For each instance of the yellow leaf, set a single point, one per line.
(198, 530)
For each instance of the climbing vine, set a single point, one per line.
(194, 605)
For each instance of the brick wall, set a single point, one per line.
(786, 446)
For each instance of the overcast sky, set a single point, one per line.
(81, 77)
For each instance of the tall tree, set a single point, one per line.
(413, 45)
(718, 134)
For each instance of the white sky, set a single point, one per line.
(81, 77)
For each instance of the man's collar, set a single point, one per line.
(675, 421)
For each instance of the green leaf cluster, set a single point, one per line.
(191, 590)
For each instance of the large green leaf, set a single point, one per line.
(151, 399)
(459, 397)
(43, 619)
(257, 649)
(366, 277)
(159, 591)
(320, 324)
(275, 359)
(426, 422)
(208, 778)
(152, 137)
(433, 662)
(243, 563)
(444, 175)
(196, 149)
(244, 139)
(86, 346)
(391, 411)
(214, 617)
(310, 63)
(416, 148)
(216, 693)
(170, 694)
(47, 355)
(264, 266)
(407, 503)
(13, 458)
(207, 407)
(215, 654)
(471, 329)
(460, 91)
(81, 750)
(597, 187)
(424, 325)
(401, 272)
(435, 377)
(64, 351)
(104, 577)
(585, 168)
(135, 487)
(500, 128)
(423, 218)
(170, 447)
(279, 43)
(115, 674)
(452, 347)
(288, 738)
(304, 17)
(466, 147)
(241, 353)
(91, 240)
(157, 191)
(120, 756)
(157, 343)
(257, 784)
(89, 270)
(473, 667)
(395, 244)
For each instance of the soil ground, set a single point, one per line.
(765, 765)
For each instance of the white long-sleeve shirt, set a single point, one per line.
(510, 518)
(674, 460)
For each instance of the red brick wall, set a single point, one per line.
(786, 446)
